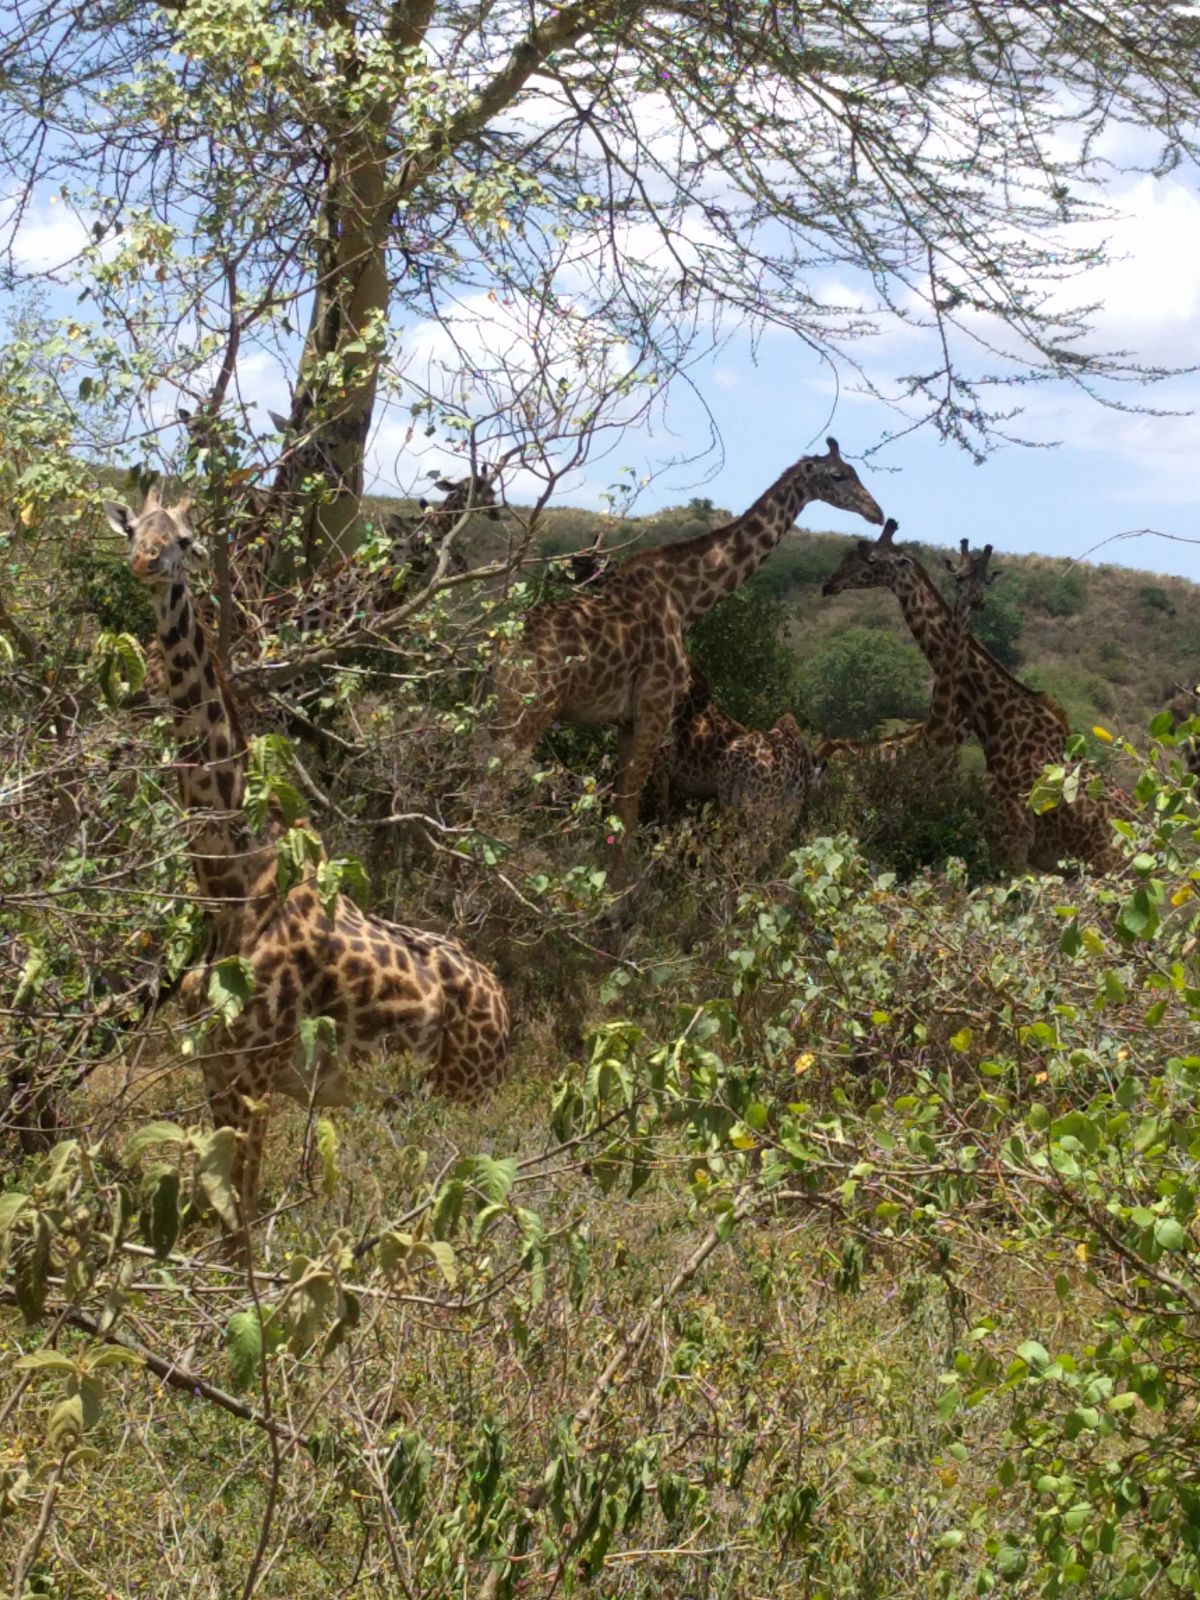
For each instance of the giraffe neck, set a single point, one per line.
(703, 570)
(926, 613)
(942, 723)
(211, 748)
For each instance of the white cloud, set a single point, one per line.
(50, 235)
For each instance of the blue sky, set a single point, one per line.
(1109, 475)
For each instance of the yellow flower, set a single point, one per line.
(805, 1061)
(1103, 734)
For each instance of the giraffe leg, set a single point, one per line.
(638, 746)
(1015, 831)
(241, 1102)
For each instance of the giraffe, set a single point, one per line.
(710, 756)
(615, 653)
(890, 749)
(943, 730)
(1020, 729)
(378, 982)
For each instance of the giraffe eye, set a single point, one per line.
(185, 541)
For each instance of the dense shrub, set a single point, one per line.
(907, 816)
(741, 648)
(1155, 599)
(1058, 594)
(861, 679)
(998, 626)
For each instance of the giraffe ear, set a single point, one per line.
(119, 517)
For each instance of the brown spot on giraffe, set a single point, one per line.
(710, 756)
(615, 653)
(296, 952)
(1021, 730)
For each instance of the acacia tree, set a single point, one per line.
(312, 180)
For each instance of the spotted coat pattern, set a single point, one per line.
(710, 756)
(1021, 730)
(381, 984)
(615, 654)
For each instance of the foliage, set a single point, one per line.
(863, 678)
(249, 181)
(1058, 594)
(999, 625)
(908, 816)
(741, 649)
(1155, 598)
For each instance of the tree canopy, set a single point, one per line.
(578, 198)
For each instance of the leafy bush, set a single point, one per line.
(998, 626)
(1058, 594)
(1156, 599)
(909, 817)
(861, 679)
(741, 649)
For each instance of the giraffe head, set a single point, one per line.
(159, 540)
(835, 481)
(971, 576)
(871, 564)
(476, 491)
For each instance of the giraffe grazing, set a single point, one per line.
(709, 756)
(379, 983)
(1020, 729)
(615, 653)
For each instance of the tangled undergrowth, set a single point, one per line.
(834, 1236)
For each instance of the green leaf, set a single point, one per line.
(214, 1173)
(1034, 1354)
(152, 1133)
(493, 1179)
(65, 1424)
(1169, 1235)
(112, 1355)
(1011, 1562)
(327, 1149)
(1071, 941)
(230, 985)
(44, 1361)
(11, 1206)
(961, 1041)
(443, 1257)
(120, 667)
(244, 1342)
(160, 1216)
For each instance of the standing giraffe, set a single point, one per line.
(616, 655)
(378, 982)
(943, 729)
(1020, 729)
(709, 756)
